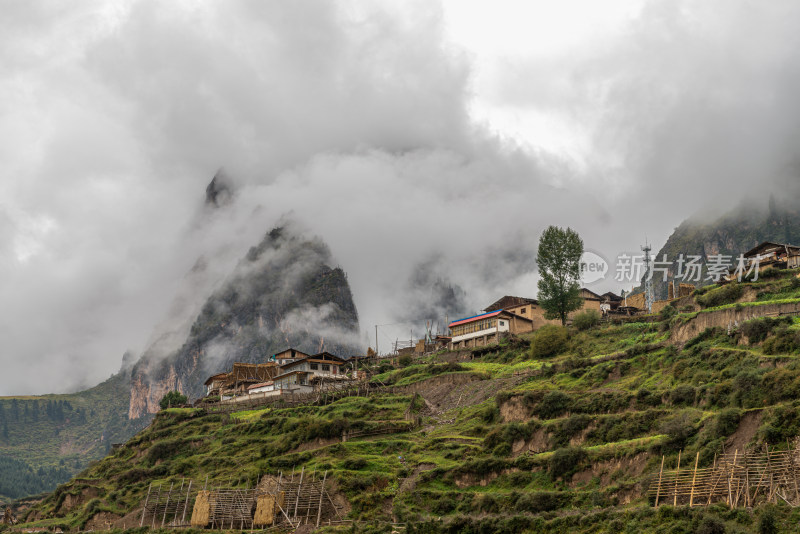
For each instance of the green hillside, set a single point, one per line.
(561, 431)
(732, 234)
(44, 440)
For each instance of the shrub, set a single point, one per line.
(767, 523)
(354, 464)
(450, 367)
(553, 404)
(485, 503)
(570, 427)
(726, 294)
(586, 320)
(683, 394)
(727, 422)
(405, 360)
(706, 334)
(710, 525)
(770, 272)
(646, 398)
(565, 462)
(490, 414)
(678, 430)
(163, 450)
(784, 341)
(548, 341)
(541, 501)
(757, 330)
(173, 398)
(667, 312)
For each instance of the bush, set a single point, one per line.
(565, 462)
(784, 341)
(570, 427)
(586, 320)
(678, 430)
(541, 501)
(667, 312)
(548, 341)
(767, 523)
(727, 422)
(726, 294)
(449, 367)
(405, 360)
(757, 330)
(354, 464)
(173, 398)
(163, 450)
(646, 398)
(710, 525)
(706, 334)
(770, 272)
(683, 394)
(553, 404)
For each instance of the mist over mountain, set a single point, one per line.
(283, 293)
(730, 234)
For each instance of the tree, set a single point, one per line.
(559, 270)
(173, 398)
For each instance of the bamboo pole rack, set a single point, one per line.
(740, 479)
(298, 499)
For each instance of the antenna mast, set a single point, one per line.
(648, 279)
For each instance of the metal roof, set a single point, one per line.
(475, 318)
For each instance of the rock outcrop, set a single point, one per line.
(283, 293)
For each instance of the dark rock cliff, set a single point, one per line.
(732, 234)
(283, 293)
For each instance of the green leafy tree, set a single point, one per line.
(559, 270)
(173, 398)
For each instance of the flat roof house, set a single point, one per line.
(486, 328)
(264, 387)
(530, 308)
(322, 365)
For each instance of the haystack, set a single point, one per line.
(201, 514)
(265, 510)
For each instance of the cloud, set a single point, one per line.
(689, 105)
(356, 118)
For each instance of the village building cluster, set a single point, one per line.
(287, 372)
(293, 371)
(511, 315)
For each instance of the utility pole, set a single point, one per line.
(376, 341)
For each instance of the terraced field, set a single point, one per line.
(511, 441)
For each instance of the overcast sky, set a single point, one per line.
(403, 133)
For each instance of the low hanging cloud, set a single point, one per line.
(355, 119)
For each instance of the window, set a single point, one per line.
(522, 311)
(502, 323)
(314, 366)
(326, 367)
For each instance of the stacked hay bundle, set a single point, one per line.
(201, 514)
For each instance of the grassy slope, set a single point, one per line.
(88, 422)
(566, 444)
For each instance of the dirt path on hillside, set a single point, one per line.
(442, 398)
(746, 431)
